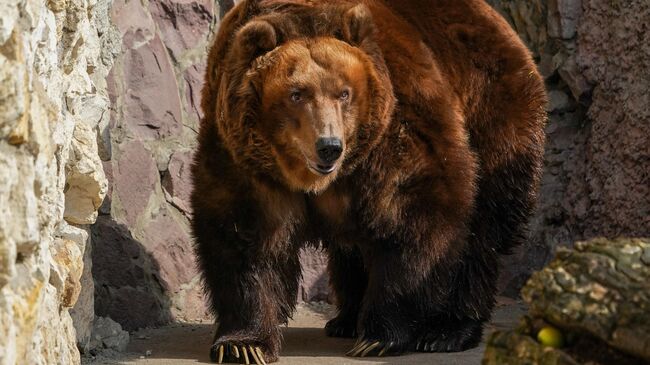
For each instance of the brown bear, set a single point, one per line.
(406, 136)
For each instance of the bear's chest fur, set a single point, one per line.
(332, 206)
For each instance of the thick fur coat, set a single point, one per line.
(440, 112)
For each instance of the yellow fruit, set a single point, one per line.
(550, 336)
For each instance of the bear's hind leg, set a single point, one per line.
(389, 314)
(348, 281)
(503, 205)
(470, 286)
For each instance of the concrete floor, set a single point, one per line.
(304, 343)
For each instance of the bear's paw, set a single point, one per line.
(368, 347)
(238, 353)
(450, 338)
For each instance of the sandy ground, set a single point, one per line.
(304, 343)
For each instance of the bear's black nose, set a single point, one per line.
(329, 149)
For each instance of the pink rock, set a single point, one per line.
(133, 21)
(171, 248)
(314, 285)
(117, 256)
(126, 284)
(177, 181)
(152, 108)
(134, 179)
(182, 23)
(194, 306)
(194, 77)
(112, 84)
(133, 308)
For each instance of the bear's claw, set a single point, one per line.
(459, 339)
(233, 353)
(436, 346)
(369, 348)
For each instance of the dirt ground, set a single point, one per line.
(305, 343)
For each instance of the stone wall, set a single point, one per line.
(54, 57)
(143, 263)
(595, 56)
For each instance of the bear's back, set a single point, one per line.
(433, 47)
(459, 53)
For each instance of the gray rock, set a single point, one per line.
(563, 18)
(528, 18)
(108, 334)
(557, 101)
(614, 54)
(571, 74)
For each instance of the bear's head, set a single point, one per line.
(302, 110)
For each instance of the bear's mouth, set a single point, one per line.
(320, 168)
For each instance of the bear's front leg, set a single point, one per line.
(251, 282)
(248, 316)
(415, 206)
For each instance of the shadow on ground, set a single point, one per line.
(305, 343)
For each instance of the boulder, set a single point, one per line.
(598, 295)
(108, 334)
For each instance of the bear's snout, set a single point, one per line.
(329, 149)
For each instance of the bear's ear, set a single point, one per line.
(357, 24)
(255, 39)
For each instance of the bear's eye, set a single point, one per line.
(344, 95)
(296, 97)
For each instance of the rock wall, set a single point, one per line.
(595, 56)
(54, 57)
(143, 263)
(614, 55)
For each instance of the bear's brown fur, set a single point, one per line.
(437, 112)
